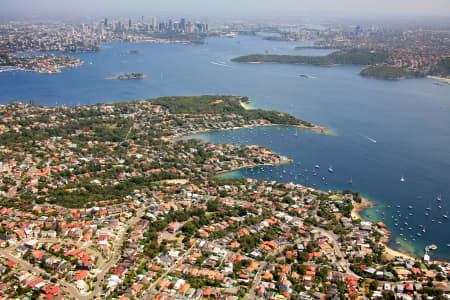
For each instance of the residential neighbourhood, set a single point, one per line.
(112, 201)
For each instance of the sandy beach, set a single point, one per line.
(175, 181)
(244, 105)
(440, 78)
(389, 252)
(358, 207)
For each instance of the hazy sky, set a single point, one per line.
(230, 7)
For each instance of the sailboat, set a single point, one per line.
(350, 181)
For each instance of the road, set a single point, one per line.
(151, 288)
(343, 262)
(67, 287)
(330, 235)
(12, 191)
(117, 255)
(257, 279)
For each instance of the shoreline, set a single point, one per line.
(251, 166)
(358, 207)
(245, 105)
(389, 252)
(315, 128)
(439, 78)
(57, 71)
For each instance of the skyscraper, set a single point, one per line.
(154, 24)
(182, 25)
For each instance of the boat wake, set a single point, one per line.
(372, 140)
(220, 64)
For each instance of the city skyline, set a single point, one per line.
(251, 8)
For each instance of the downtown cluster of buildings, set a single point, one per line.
(152, 25)
(72, 38)
(64, 37)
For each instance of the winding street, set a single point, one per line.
(343, 262)
(67, 287)
(151, 288)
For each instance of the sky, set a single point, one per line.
(334, 8)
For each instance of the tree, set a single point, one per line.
(373, 285)
(212, 205)
(189, 228)
(388, 295)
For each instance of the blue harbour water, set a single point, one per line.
(408, 119)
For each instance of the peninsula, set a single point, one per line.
(375, 60)
(40, 63)
(110, 206)
(344, 57)
(233, 105)
(128, 76)
(388, 72)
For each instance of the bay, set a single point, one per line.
(408, 119)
